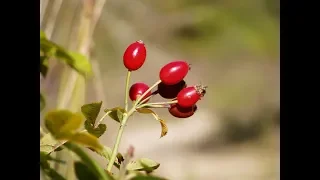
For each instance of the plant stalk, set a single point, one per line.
(127, 91)
(124, 121)
(117, 143)
(145, 93)
(158, 103)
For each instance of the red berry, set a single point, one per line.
(174, 72)
(181, 112)
(189, 96)
(170, 91)
(134, 56)
(137, 90)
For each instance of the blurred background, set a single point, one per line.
(233, 47)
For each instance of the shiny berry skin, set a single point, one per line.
(181, 112)
(170, 91)
(137, 90)
(189, 96)
(134, 56)
(174, 72)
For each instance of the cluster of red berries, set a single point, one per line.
(172, 85)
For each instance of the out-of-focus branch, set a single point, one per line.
(52, 18)
(98, 83)
(43, 9)
(89, 17)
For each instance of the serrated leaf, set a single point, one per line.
(85, 139)
(164, 128)
(62, 122)
(98, 131)
(44, 63)
(91, 111)
(114, 113)
(83, 172)
(143, 164)
(91, 163)
(42, 102)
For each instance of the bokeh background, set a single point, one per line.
(233, 47)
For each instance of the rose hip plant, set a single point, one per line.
(63, 125)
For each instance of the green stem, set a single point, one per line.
(125, 119)
(145, 100)
(145, 93)
(156, 106)
(101, 119)
(117, 143)
(158, 103)
(127, 91)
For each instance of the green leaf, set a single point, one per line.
(42, 35)
(83, 172)
(45, 166)
(85, 139)
(42, 102)
(86, 159)
(46, 157)
(143, 164)
(146, 111)
(44, 63)
(147, 177)
(116, 113)
(75, 60)
(53, 174)
(164, 127)
(98, 131)
(47, 143)
(48, 47)
(106, 153)
(91, 111)
(62, 122)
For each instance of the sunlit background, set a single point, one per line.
(233, 46)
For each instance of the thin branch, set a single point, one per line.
(43, 9)
(53, 18)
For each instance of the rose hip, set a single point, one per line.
(137, 89)
(189, 96)
(174, 72)
(170, 91)
(181, 112)
(135, 56)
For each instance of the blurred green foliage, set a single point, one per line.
(220, 27)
